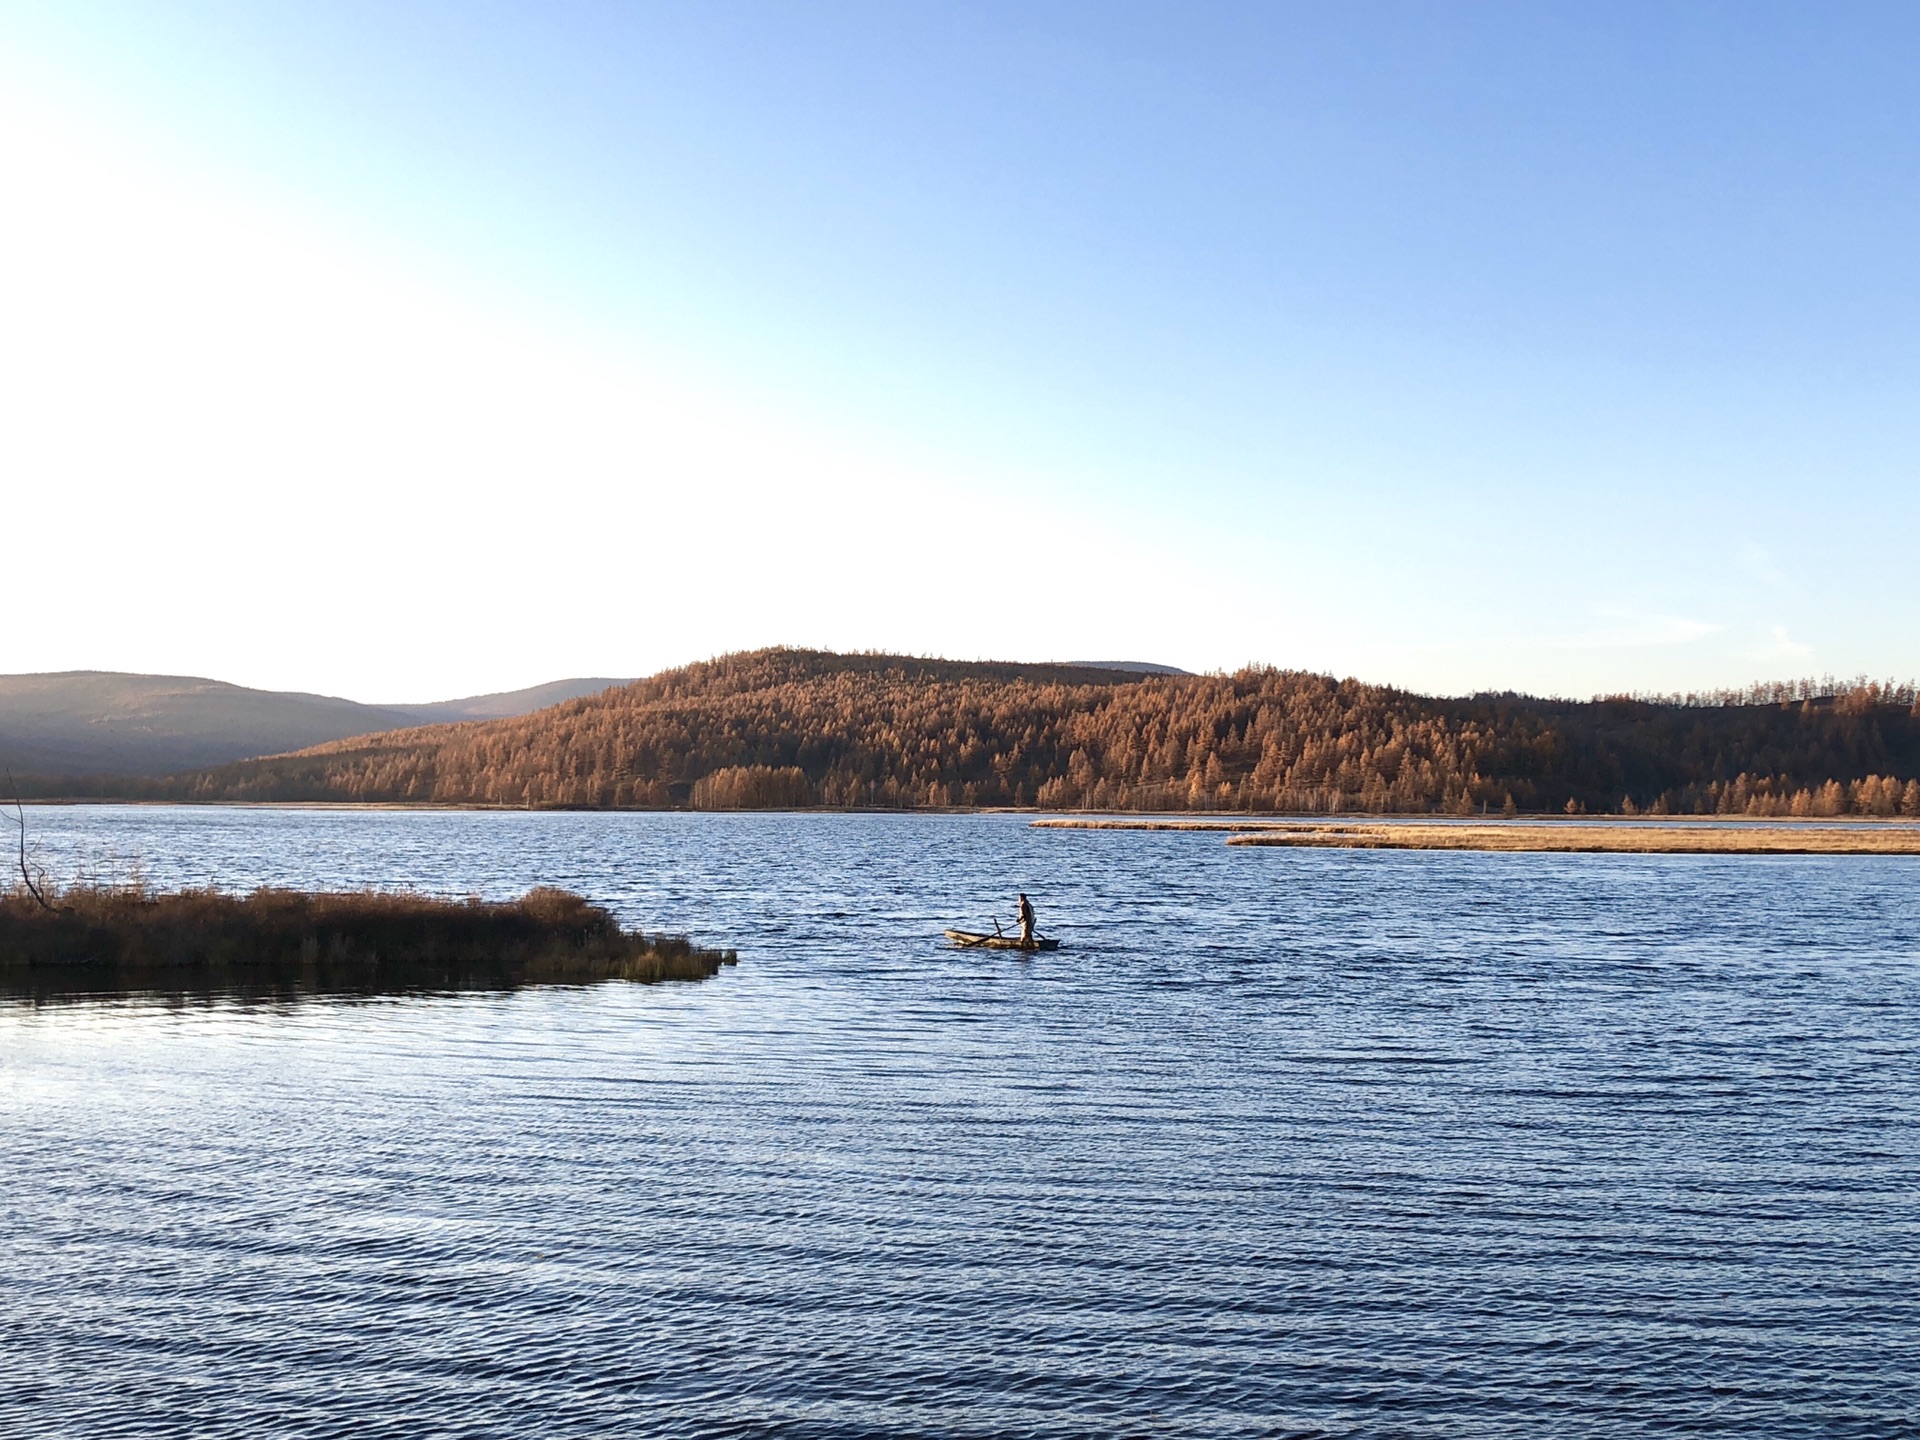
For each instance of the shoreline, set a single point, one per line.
(1046, 819)
(1703, 835)
(1107, 820)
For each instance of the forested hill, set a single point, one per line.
(795, 728)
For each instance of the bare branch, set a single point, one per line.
(20, 819)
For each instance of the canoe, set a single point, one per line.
(974, 940)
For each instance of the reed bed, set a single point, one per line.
(127, 938)
(1602, 839)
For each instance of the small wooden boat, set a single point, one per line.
(974, 940)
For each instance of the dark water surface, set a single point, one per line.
(1284, 1142)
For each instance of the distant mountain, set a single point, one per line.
(506, 703)
(97, 722)
(1130, 667)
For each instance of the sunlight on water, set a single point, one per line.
(1334, 1142)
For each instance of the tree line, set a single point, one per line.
(794, 728)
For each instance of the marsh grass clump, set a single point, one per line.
(128, 937)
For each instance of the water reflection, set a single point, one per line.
(68, 985)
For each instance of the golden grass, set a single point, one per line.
(1603, 839)
(1607, 837)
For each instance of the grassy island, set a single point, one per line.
(1620, 837)
(105, 939)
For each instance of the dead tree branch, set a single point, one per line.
(20, 819)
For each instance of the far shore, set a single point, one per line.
(1723, 834)
(1665, 835)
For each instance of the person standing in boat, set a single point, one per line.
(1026, 920)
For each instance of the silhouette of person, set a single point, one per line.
(1026, 920)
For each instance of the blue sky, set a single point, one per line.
(400, 350)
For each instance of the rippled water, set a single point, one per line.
(1284, 1142)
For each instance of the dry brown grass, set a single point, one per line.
(1614, 837)
(108, 937)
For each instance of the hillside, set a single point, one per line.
(93, 722)
(794, 728)
(96, 722)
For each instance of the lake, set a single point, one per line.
(1312, 1142)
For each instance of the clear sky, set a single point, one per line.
(406, 350)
